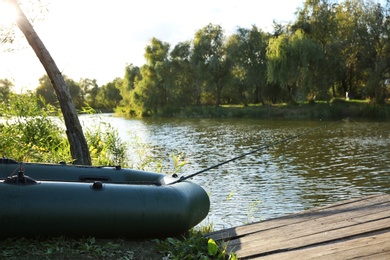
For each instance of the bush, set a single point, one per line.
(29, 133)
(105, 146)
(193, 246)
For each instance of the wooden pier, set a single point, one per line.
(352, 229)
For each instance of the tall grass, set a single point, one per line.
(105, 145)
(31, 131)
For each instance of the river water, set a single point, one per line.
(343, 160)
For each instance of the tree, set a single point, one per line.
(78, 144)
(350, 28)
(376, 46)
(157, 69)
(280, 69)
(130, 80)
(247, 50)
(89, 91)
(182, 76)
(108, 96)
(211, 61)
(363, 37)
(152, 91)
(5, 90)
(318, 20)
(295, 62)
(46, 90)
(75, 92)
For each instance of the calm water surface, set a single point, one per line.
(342, 161)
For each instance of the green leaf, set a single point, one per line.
(212, 247)
(233, 256)
(171, 241)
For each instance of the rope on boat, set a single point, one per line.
(259, 149)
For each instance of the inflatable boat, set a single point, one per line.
(39, 199)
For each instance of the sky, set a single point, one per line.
(96, 39)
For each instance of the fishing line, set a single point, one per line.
(259, 149)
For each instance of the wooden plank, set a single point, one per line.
(290, 242)
(317, 225)
(236, 232)
(349, 229)
(375, 246)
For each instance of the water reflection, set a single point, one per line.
(339, 162)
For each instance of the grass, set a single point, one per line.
(194, 246)
(335, 109)
(84, 248)
(191, 246)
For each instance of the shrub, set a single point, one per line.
(105, 146)
(29, 133)
(193, 246)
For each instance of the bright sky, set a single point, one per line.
(96, 39)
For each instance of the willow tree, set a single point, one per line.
(317, 19)
(247, 49)
(183, 77)
(295, 62)
(281, 69)
(210, 59)
(78, 144)
(375, 39)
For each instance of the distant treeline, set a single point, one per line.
(332, 49)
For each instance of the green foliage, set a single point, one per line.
(303, 59)
(67, 248)
(91, 247)
(30, 134)
(247, 50)
(5, 90)
(182, 77)
(84, 93)
(105, 146)
(89, 91)
(142, 156)
(253, 208)
(212, 63)
(152, 92)
(130, 80)
(330, 49)
(178, 163)
(108, 96)
(212, 247)
(320, 109)
(193, 246)
(46, 90)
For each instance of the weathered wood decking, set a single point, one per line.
(357, 228)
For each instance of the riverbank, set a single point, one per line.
(85, 248)
(336, 109)
(193, 245)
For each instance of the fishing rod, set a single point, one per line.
(182, 178)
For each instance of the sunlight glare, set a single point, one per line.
(8, 14)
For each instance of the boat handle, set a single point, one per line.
(94, 178)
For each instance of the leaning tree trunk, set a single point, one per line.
(78, 145)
